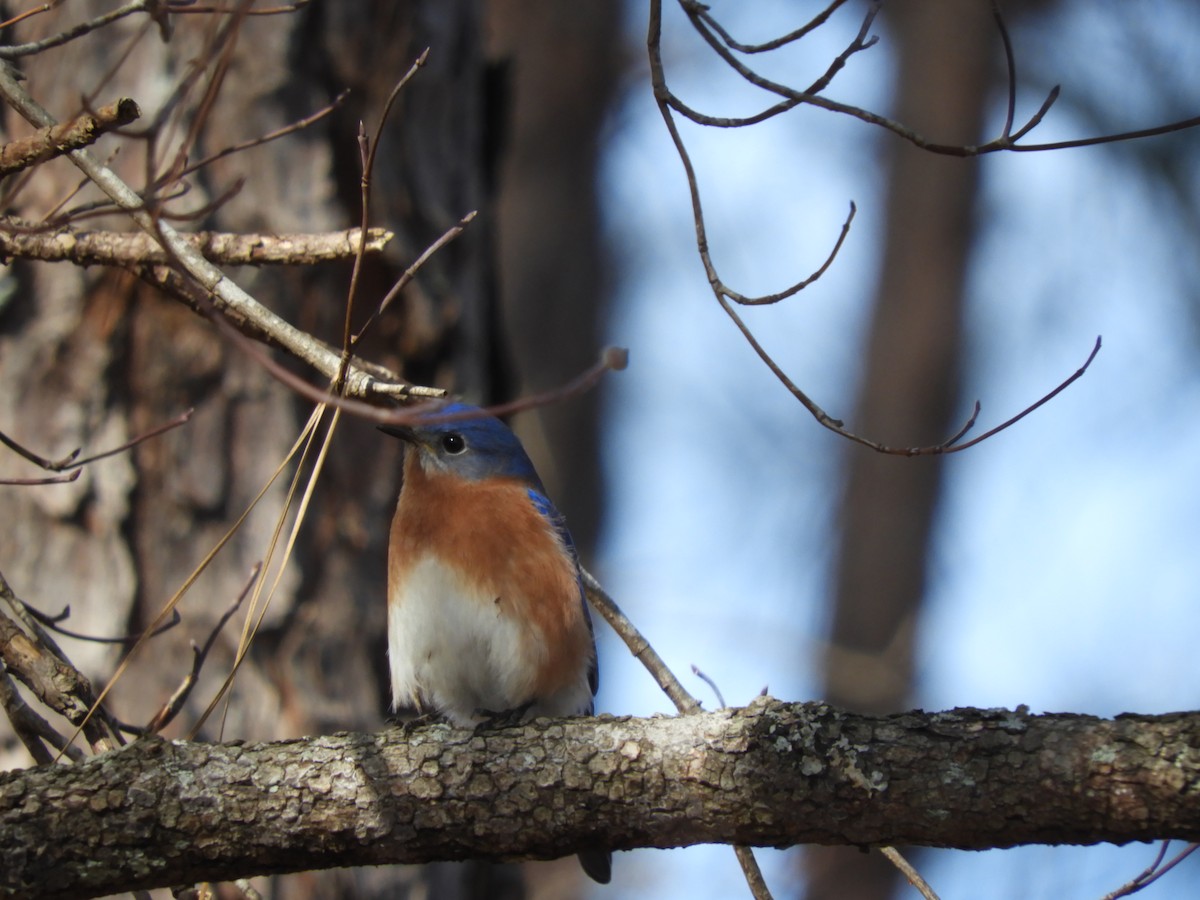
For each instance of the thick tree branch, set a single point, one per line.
(161, 813)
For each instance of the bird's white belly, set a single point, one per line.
(452, 648)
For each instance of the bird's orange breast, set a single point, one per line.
(490, 532)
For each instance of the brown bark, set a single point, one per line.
(773, 773)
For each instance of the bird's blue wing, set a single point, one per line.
(550, 513)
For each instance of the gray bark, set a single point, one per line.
(164, 813)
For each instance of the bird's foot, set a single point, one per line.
(505, 718)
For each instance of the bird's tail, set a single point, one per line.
(597, 864)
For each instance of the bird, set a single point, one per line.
(487, 617)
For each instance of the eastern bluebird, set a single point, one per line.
(486, 610)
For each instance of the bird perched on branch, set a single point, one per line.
(486, 609)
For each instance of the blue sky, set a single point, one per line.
(1065, 566)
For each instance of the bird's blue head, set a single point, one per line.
(462, 440)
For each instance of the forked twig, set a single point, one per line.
(72, 461)
(1153, 872)
(52, 622)
(668, 104)
(367, 154)
(175, 702)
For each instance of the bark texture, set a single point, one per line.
(161, 813)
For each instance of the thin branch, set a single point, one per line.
(644, 653)
(50, 465)
(252, 341)
(33, 482)
(120, 248)
(52, 622)
(638, 645)
(1153, 872)
(213, 60)
(698, 9)
(83, 28)
(175, 702)
(909, 872)
(864, 40)
(292, 128)
(29, 13)
(711, 684)
(258, 11)
(72, 461)
(1005, 141)
(754, 876)
(726, 297)
(30, 728)
(1075, 376)
(181, 419)
(967, 426)
(410, 273)
(800, 285)
(612, 359)
(1010, 68)
(55, 140)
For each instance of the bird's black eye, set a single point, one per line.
(453, 444)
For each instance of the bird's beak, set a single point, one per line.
(403, 432)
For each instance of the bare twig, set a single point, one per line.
(1006, 141)
(52, 622)
(55, 140)
(727, 298)
(49, 479)
(292, 128)
(754, 876)
(701, 11)
(256, 11)
(948, 448)
(199, 654)
(50, 465)
(57, 40)
(119, 248)
(906, 869)
(672, 687)
(180, 419)
(72, 461)
(711, 684)
(1153, 872)
(409, 273)
(638, 645)
(29, 13)
(367, 155)
(30, 728)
